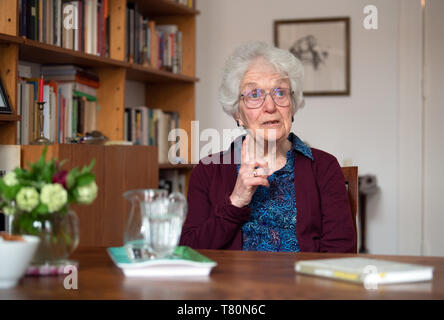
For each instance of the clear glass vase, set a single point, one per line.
(59, 237)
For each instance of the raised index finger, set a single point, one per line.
(245, 156)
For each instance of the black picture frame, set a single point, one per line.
(330, 38)
(5, 105)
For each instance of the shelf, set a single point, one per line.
(42, 53)
(9, 117)
(163, 8)
(148, 74)
(169, 166)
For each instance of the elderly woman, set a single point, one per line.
(291, 197)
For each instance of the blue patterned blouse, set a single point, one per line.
(272, 223)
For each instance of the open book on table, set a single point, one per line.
(184, 262)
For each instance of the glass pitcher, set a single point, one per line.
(154, 223)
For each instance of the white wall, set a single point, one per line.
(410, 170)
(434, 133)
(363, 127)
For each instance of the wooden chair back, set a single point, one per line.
(351, 182)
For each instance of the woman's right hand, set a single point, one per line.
(247, 183)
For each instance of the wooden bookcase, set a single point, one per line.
(164, 90)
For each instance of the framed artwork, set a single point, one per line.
(323, 47)
(5, 106)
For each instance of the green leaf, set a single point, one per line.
(61, 163)
(85, 179)
(41, 161)
(9, 192)
(23, 224)
(89, 167)
(71, 198)
(41, 209)
(71, 178)
(3, 186)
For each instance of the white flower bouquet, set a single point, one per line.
(36, 193)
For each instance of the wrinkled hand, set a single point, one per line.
(247, 183)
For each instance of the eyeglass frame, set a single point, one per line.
(265, 97)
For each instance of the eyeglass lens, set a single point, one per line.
(255, 98)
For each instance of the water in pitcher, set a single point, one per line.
(154, 223)
(164, 234)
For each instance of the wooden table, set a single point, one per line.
(239, 275)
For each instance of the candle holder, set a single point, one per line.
(41, 139)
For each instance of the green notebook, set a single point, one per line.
(185, 262)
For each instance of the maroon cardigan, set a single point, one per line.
(324, 220)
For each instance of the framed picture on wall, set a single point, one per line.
(5, 106)
(323, 47)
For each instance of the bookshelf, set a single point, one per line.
(164, 90)
(168, 166)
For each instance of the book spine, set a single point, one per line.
(75, 25)
(82, 94)
(47, 21)
(23, 18)
(329, 273)
(46, 108)
(59, 22)
(19, 112)
(53, 115)
(94, 24)
(153, 40)
(125, 125)
(40, 21)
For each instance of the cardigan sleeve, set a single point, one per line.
(210, 225)
(338, 231)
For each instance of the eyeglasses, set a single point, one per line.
(256, 97)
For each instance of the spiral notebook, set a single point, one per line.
(185, 262)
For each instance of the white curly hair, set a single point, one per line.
(238, 63)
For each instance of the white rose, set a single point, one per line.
(87, 194)
(54, 196)
(27, 198)
(10, 179)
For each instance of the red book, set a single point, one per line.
(80, 26)
(87, 82)
(105, 15)
(99, 29)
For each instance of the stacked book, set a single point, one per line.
(188, 3)
(150, 127)
(81, 25)
(70, 109)
(149, 44)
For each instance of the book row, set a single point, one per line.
(81, 25)
(150, 44)
(150, 127)
(70, 110)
